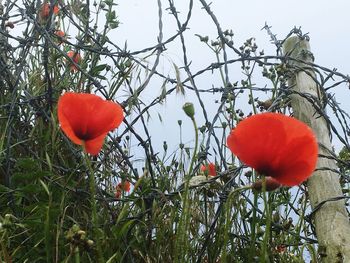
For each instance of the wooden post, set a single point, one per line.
(332, 219)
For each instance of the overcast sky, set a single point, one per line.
(326, 22)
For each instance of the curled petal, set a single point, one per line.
(71, 110)
(94, 146)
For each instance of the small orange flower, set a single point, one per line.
(45, 10)
(86, 119)
(60, 35)
(118, 193)
(275, 145)
(76, 59)
(280, 248)
(210, 169)
(122, 187)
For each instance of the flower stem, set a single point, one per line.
(76, 255)
(92, 187)
(228, 221)
(265, 254)
(194, 157)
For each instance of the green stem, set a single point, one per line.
(234, 191)
(253, 228)
(76, 255)
(265, 255)
(92, 187)
(194, 157)
(47, 230)
(228, 218)
(182, 241)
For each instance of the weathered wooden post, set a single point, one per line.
(331, 220)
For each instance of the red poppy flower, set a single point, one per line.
(210, 169)
(45, 10)
(86, 119)
(275, 145)
(76, 59)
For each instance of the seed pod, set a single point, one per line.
(271, 184)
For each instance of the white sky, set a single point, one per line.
(327, 23)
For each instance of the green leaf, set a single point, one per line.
(31, 189)
(4, 189)
(97, 69)
(123, 213)
(46, 188)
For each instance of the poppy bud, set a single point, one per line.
(271, 184)
(276, 217)
(81, 234)
(90, 243)
(188, 109)
(10, 25)
(265, 104)
(202, 129)
(288, 224)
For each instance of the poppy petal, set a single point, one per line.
(104, 116)
(94, 146)
(276, 145)
(258, 140)
(298, 161)
(209, 169)
(71, 115)
(212, 169)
